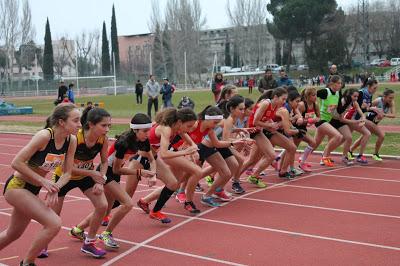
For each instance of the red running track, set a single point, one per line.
(334, 216)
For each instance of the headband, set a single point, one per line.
(213, 117)
(140, 126)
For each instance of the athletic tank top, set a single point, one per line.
(196, 135)
(241, 123)
(329, 104)
(84, 156)
(50, 158)
(372, 116)
(309, 112)
(155, 140)
(124, 147)
(269, 114)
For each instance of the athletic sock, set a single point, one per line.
(164, 197)
(307, 151)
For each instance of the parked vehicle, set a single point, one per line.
(385, 63)
(303, 67)
(395, 61)
(377, 62)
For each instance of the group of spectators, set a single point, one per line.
(65, 94)
(153, 91)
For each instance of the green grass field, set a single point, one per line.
(124, 106)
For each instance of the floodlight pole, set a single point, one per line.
(115, 77)
(36, 76)
(77, 71)
(185, 71)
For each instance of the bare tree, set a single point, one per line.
(27, 30)
(185, 21)
(250, 31)
(9, 27)
(85, 43)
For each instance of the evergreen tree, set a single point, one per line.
(228, 61)
(48, 59)
(236, 58)
(114, 42)
(166, 48)
(105, 53)
(157, 58)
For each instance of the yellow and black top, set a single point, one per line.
(84, 156)
(47, 160)
(50, 158)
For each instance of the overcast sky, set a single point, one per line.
(73, 16)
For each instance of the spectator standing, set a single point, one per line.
(152, 90)
(332, 72)
(267, 82)
(284, 79)
(70, 93)
(251, 85)
(166, 91)
(139, 92)
(62, 93)
(217, 86)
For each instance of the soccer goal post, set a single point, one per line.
(93, 84)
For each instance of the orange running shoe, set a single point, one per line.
(327, 161)
(160, 216)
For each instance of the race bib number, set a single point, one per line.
(88, 165)
(332, 108)
(52, 161)
(309, 115)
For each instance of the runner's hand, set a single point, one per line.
(152, 181)
(50, 186)
(51, 199)
(191, 150)
(147, 173)
(98, 189)
(98, 177)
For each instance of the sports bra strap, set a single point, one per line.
(51, 132)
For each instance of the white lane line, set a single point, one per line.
(363, 178)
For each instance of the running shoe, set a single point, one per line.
(237, 188)
(209, 201)
(350, 156)
(90, 248)
(305, 167)
(26, 264)
(256, 181)
(43, 254)
(108, 240)
(361, 159)
(106, 220)
(189, 206)
(160, 217)
(304, 163)
(287, 175)
(199, 188)
(327, 162)
(221, 195)
(77, 233)
(209, 180)
(296, 171)
(144, 206)
(346, 161)
(181, 197)
(376, 157)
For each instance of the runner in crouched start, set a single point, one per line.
(49, 148)
(92, 140)
(126, 145)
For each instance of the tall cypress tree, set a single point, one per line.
(168, 60)
(114, 41)
(157, 56)
(48, 58)
(105, 53)
(228, 61)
